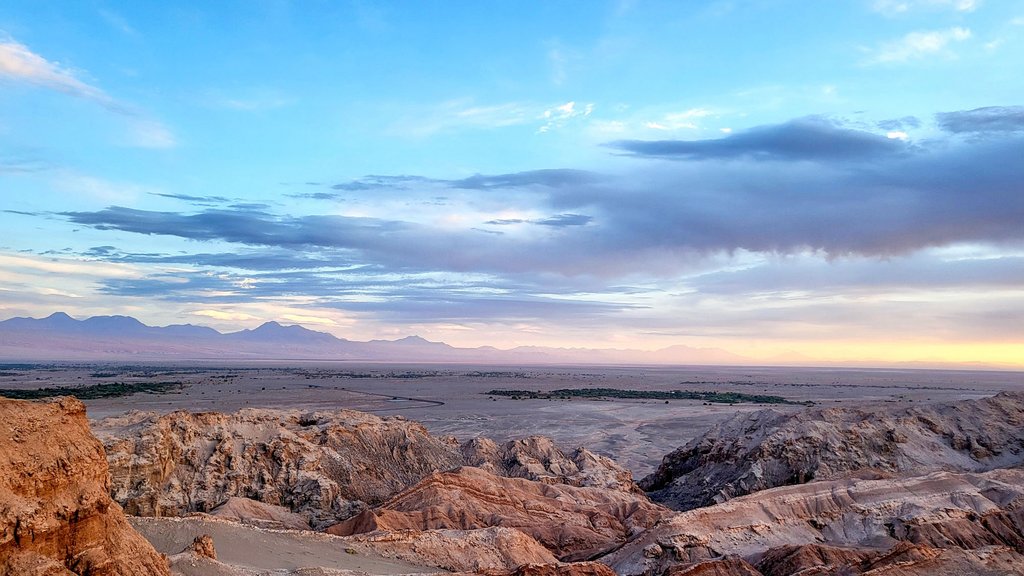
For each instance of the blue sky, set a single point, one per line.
(840, 180)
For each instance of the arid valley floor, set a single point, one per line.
(303, 469)
(452, 399)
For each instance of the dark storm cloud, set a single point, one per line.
(988, 119)
(801, 139)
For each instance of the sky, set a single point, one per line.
(830, 181)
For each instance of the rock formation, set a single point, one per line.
(573, 522)
(849, 526)
(252, 512)
(538, 458)
(764, 449)
(324, 465)
(497, 549)
(56, 515)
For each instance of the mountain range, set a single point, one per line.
(61, 337)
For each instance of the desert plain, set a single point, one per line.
(452, 400)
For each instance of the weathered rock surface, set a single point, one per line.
(968, 519)
(496, 548)
(573, 569)
(765, 449)
(538, 458)
(573, 522)
(324, 465)
(246, 511)
(56, 515)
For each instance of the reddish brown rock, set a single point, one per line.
(812, 559)
(572, 569)
(718, 567)
(573, 522)
(56, 515)
(202, 546)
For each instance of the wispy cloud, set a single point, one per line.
(979, 120)
(558, 116)
(919, 45)
(20, 64)
(679, 120)
(467, 115)
(897, 7)
(149, 133)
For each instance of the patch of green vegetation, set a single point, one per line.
(714, 397)
(95, 391)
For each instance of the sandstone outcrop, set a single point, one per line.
(573, 569)
(323, 465)
(764, 449)
(939, 519)
(495, 549)
(252, 512)
(538, 458)
(56, 515)
(573, 522)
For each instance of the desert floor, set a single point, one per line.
(452, 399)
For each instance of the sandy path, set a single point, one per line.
(255, 548)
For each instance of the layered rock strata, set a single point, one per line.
(56, 515)
(765, 449)
(324, 466)
(849, 526)
(573, 522)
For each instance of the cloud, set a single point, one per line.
(899, 123)
(553, 178)
(148, 133)
(223, 315)
(918, 45)
(897, 7)
(20, 64)
(809, 138)
(559, 116)
(979, 120)
(861, 195)
(198, 200)
(679, 120)
(566, 220)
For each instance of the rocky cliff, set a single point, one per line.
(764, 449)
(324, 465)
(573, 522)
(56, 515)
(933, 524)
(539, 458)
